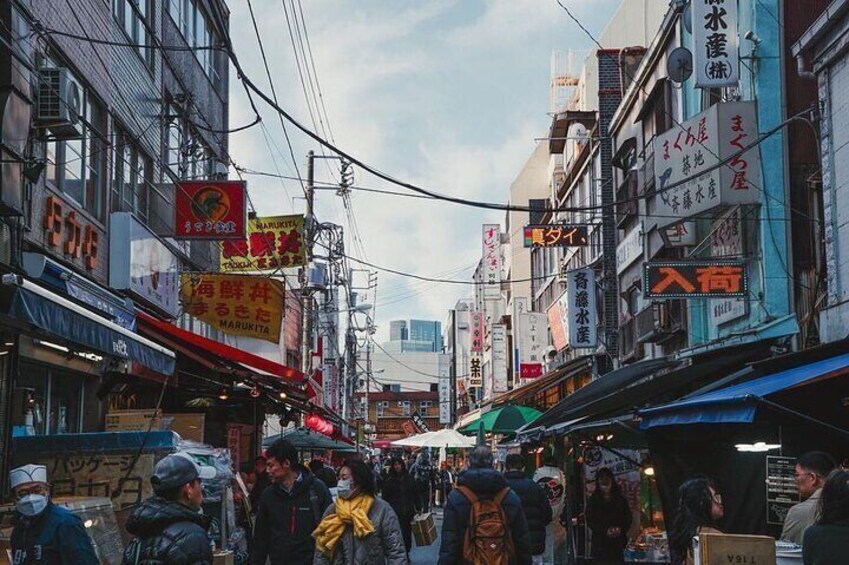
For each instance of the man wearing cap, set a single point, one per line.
(45, 533)
(168, 526)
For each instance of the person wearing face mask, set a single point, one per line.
(359, 528)
(45, 534)
(169, 527)
(609, 518)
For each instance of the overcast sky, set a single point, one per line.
(448, 94)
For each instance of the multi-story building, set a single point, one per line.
(414, 335)
(394, 411)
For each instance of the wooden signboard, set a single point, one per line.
(722, 549)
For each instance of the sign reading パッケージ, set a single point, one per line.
(272, 242)
(236, 304)
(210, 210)
(695, 279)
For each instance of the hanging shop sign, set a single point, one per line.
(491, 262)
(498, 337)
(629, 249)
(210, 210)
(727, 241)
(556, 318)
(716, 57)
(236, 304)
(475, 372)
(682, 234)
(272, 242)
(69, 235)
(477, 331)
(444, 393)
(581, 294)
(555, 236)
(419, 422)
(695, 279)
(140, 263)
(533, 342)
(781, 491)
(707, 162)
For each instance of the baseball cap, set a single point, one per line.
(177, 470)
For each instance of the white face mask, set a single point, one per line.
(32, 504)
(344, 488)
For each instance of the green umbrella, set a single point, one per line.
(481, 434)
(504, 420)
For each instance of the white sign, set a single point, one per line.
(698, 165)
(520, 306)
(491, 262)
(580, 292)
(716, 59)
(140, 263)
(444, 394)
(498, 338)
(532, 343)
(475, 371)
(682, 234)
(629, 249)
(726, 240)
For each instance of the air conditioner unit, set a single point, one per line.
(59, 103)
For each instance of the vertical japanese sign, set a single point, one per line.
(499, 358)
(716, 55)
(532, 345)
(475, 372)
(580, 291)
(272, 242)
(491, 262)
(236, 304)
(444, 391)
(710, 160)
(559, 335)
(476, 332)
(210, 210)
(726, 241)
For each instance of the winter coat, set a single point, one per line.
(262, 482)
(604, 514)
(167, 532)
(485, 483)
(826, 544)
(285, 521)
(384, 546)
(55, 536)
(399, 490)
(536, 506)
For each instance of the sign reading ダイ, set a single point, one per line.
(272, 243)
(695, 279)
(236, 304)
(555, 236)
(716, 58)
(710, 160)
(68, 233)
(580, 291)
(491, 262)
(210, 210)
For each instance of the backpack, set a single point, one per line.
(488, 539)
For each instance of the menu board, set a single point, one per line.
(781, 492)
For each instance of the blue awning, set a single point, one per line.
(738, 404)
(72, 323)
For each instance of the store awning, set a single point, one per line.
(32, 304)
(738, 404)
(210, 352)
(304, 438)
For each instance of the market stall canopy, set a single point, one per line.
(738, 404)
(504, 420)
(28, 303)
(439, 438)
(303, 438)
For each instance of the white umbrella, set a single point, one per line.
(439, 438)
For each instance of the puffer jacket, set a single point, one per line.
(385, 546)
(536, 507)
(485, 483)
(169, 533)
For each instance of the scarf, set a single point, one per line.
(353, 512)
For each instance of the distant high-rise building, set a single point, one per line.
(416, 335)
(398, 330)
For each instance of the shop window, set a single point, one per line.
(132, 177)
(47, 402)
(425, 407)
(199, 33)
(135, 17)
(406, 407)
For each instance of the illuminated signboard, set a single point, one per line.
(210, 210)
(555, 236)
(695, 279)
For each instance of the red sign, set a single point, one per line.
(530, 370)
(64, 232)
(477, 331)
(210, 210)
(695, 279)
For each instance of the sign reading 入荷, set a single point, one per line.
(695, 279)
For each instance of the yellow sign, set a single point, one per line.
(272, 243)
(236, 304)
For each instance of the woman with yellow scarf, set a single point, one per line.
(359, 529)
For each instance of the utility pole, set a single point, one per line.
(309, 235)
(453, 401)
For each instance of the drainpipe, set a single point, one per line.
(802, 67)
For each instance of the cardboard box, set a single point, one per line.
(424, 529)
(133, 420)
(222, 558)
(721, 549)
(189, 426)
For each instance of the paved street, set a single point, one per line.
(428, 555)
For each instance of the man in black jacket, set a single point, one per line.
(168, 527)
(261, 483)
(534, 503)
(486, 483)
(289, 510)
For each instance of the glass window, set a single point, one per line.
(132, 177)
(65, 397)
(48, 400)
(134, 17)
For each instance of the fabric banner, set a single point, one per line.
(272, 243)
(236, 304)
